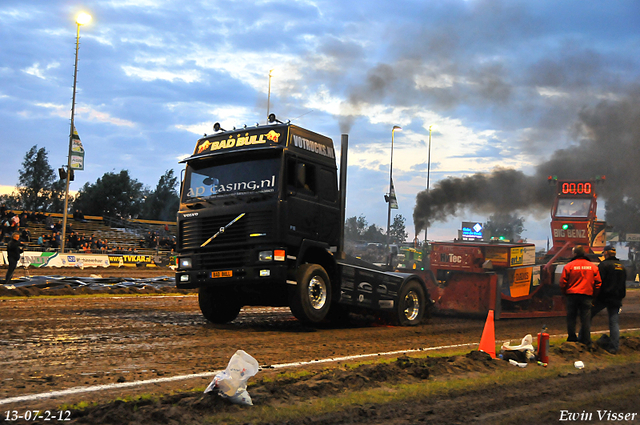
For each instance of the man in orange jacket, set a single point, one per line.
(580, 282)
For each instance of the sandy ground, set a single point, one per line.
(56, 343)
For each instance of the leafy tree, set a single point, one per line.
(355, 227)
(397, 230)
(374, 234)
(37, 187)
(505, 225)
(57, 195)
(112, 195)
(163, 203)
(11, 201)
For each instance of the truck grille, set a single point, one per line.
(195, 232)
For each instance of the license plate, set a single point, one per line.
(223, 273)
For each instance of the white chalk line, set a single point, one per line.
(79, 390)
(94, 388)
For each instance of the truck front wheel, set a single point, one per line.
(218, 305)
(311, 299)
(412, 304)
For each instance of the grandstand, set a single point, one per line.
(128, 234)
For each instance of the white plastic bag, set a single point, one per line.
(526, 346)
(231, 383)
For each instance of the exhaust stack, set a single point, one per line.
(344, 146)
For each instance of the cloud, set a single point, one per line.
(162, 74)
(37, 72)
(87, 113)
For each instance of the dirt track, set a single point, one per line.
(51, 344)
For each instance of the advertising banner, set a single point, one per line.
(36, 259)
(498, 256)
(79, 260)
(77, 151)
(633, 237)
(54, 259)
(521, 282)
(131, 260)
(472, 230)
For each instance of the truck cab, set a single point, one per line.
(260, 223)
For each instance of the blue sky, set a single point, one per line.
(506, 84)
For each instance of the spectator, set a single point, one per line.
(15, 223)
(25, 236)
(579, 282)
(55, 240)
(48, 221)
(14, 249)
(614, 289)
(73, 240)
(47, 240)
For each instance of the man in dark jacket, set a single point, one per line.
(580, 282)
(14, 249)
(614, 278)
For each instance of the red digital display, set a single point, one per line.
(576, 188)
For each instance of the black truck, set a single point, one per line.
(261, 222)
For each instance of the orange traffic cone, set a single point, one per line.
(488, 340)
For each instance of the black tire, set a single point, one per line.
(311, 300)
(412, 304)
(218, 305)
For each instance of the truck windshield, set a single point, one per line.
(573, 207)
(205, 179)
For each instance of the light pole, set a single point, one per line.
(269, 93)
(391, 191)
(428, 172)
(81, 19)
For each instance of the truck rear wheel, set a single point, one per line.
(218, 305)
(311, 299)
(412, 304)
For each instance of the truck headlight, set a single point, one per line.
(265, 255)
(185, 263)
(275, 255)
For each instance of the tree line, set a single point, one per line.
(115, 194)
(358, 229)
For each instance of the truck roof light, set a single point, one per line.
(217, 127)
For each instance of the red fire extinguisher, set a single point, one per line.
(543, 346)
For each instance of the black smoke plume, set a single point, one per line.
(607, 144)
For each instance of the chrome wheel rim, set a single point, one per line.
(412, 305)
(317, 292)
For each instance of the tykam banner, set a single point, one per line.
(131, 260)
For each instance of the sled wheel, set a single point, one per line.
(311, 299)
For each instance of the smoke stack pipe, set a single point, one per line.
(344, 146)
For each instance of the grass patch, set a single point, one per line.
(382, 395)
